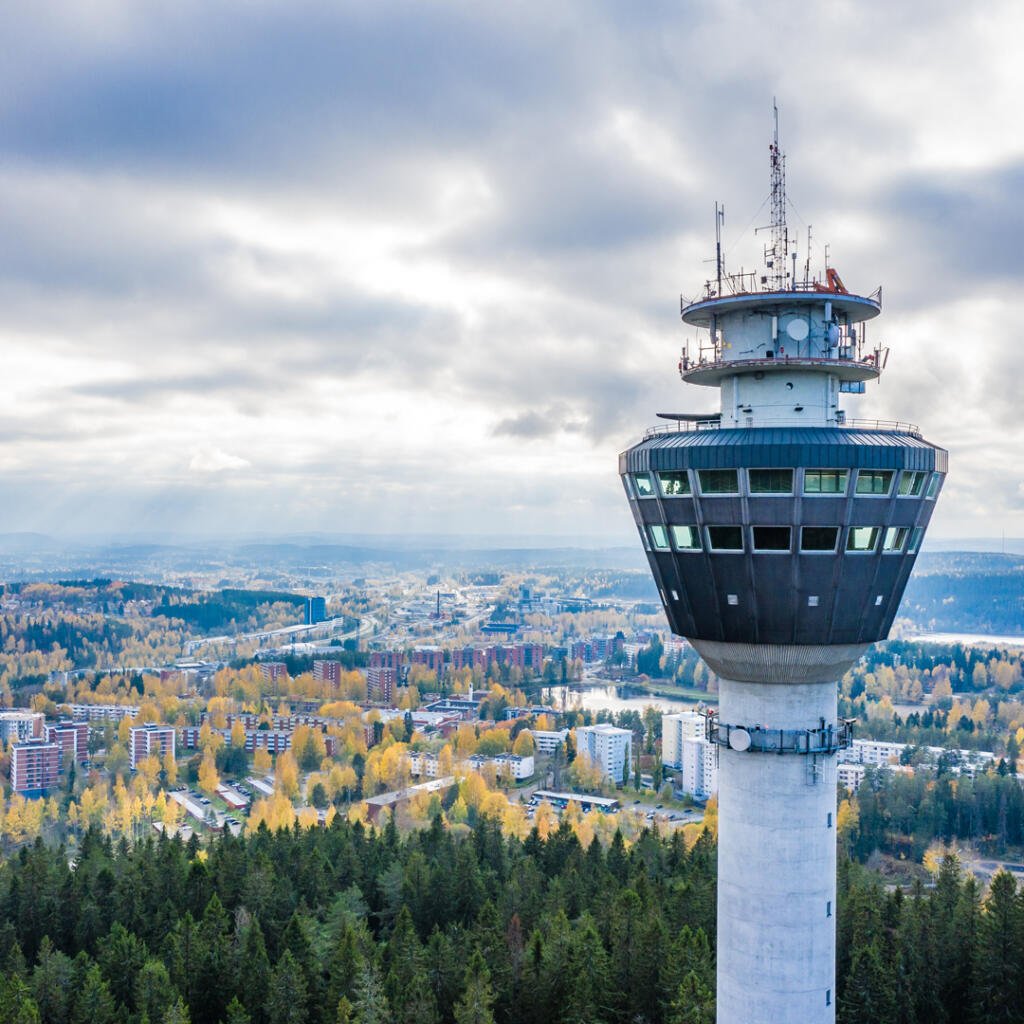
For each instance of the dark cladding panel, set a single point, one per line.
(782, 597)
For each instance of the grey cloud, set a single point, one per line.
(345, 109)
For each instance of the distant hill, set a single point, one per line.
(967, 592)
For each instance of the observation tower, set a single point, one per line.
(781, 534)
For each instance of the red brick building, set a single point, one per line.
(35, 766)
(150, 739)
(327, 672)
(380, 685)
(71, 737)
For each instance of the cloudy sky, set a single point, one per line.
(415, 267)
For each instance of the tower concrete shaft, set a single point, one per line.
(776, 863)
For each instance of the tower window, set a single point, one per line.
(732, 599)
(771, 538)
(878, 600)
(725, 538)
(770, 481)
(874, 481)
(644, 486)
(915, 538)
(911, 484)
(674, 484)
(933, 485)
(895, 538)
(825, 481)
(828, 820)
(659, 537)
(828, 908)
(862, 538)
(685, 538)
(812, 601)
(819, 538)
(718, 481)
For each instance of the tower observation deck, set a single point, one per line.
(781, 534)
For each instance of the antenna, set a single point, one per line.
(719, 221)
(776, 256)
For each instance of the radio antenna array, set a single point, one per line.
(776, 256)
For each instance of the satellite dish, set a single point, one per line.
(797, 329)
(739, 739)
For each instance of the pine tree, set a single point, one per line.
(371, 1003)
(694, 1002)
(870, 993)
(94, 1004)
(474, 1007)
(999, 953)
(287, 997)
(253, 972)
(51, 984)
(236, 1013)
(176, 1013)
(16, 1003)
(154, 992)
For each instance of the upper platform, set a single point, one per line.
(853, 308)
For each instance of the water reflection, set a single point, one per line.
(610, 698)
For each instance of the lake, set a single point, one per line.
(613, 698)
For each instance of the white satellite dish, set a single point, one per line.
(739, 739)
(797, 329)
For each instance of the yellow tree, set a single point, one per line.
(514, 821)
(524, 745)
(544, 819)
(262, 762)
(286, 775)
(170, 769)
(149, 769)
(209, 780)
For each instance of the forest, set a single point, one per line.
(357, 925)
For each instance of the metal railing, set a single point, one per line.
(868, 362)
(752, 283)
(843, 422)
(822, 739)
(683, 427)
(890, 426)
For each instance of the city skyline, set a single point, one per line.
(416, 270)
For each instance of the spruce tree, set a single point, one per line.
(477, 1000)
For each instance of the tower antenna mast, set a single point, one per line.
(719, 221)
(776, 257)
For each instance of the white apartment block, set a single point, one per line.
(608, 747)
(675, 728)
(512, 765)
(850, 775)
(423, 765)
(699, 768)
(875, 752)
(546, 740)
(884, 754)
(20, 726)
